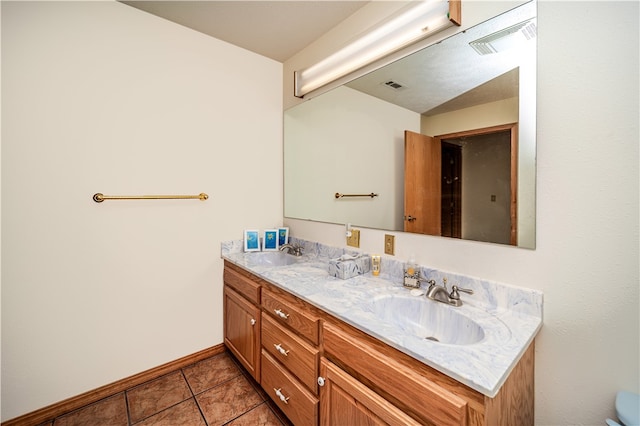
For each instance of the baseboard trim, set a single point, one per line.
(65, 406)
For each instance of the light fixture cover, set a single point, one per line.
(409, 25)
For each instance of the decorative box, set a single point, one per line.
(348, 266)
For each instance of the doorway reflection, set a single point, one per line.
(476, 187)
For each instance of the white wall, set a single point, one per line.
(316, 148)
(101, 97)
(586, 256)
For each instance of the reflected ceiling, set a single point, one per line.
(432, 81)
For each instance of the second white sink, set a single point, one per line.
(426, 319)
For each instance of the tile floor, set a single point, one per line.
(215, 391)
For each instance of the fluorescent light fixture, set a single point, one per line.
(410, 24)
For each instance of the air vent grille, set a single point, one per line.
(394, 85)
(505, 39)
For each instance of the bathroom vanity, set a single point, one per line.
(322, 359)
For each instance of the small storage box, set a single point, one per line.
(347, 266)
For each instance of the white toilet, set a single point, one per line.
(627, 409)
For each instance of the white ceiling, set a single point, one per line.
(275, 29)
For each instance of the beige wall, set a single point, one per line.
(586, 259)
(475, 117)
(101, 97)
(328, 143)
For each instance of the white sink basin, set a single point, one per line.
(271, 258)
(426, 319)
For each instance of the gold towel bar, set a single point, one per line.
(98, 198)
(339, 195)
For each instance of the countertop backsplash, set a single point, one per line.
(488, 294)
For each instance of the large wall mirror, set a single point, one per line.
(441, 142)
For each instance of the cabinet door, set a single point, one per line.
(346, 401)
(242, 330)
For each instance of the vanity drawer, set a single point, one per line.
(243, 285)
(286, 312)
(295, 354)
(297, 403)
(419, 395)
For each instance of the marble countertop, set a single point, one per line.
(510, 317)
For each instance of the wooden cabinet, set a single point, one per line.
(290, 356)
(242, 320)
(287, 344)
(418, 395)
(346, 401)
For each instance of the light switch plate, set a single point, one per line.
(354, 239)
(389, 244)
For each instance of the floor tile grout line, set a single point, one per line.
(250, 410)
(276, 415)
(165, 409)
(131, 421)
(126, 403)
(193, 395)
(241, 372)
(254, 384)
(100, 401)
(184, 376)
(272, 406)
(217, 386)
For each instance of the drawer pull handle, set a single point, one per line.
(253, 321)
(281, 314)
(281, 396)
(280, 349)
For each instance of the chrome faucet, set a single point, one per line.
(292, 249)
(441, 293)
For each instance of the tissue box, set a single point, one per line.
(346, 266)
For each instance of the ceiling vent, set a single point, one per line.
(506, 39)
(394, 85)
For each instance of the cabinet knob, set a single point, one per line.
(320, 381)
(280, 349)
(280, 395)
(253, 321)
(281, 314)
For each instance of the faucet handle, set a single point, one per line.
(455, 295)
(430, 282)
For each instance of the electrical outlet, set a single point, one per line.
(389, 244)
(354, 239)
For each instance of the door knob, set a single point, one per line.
(410, 218)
